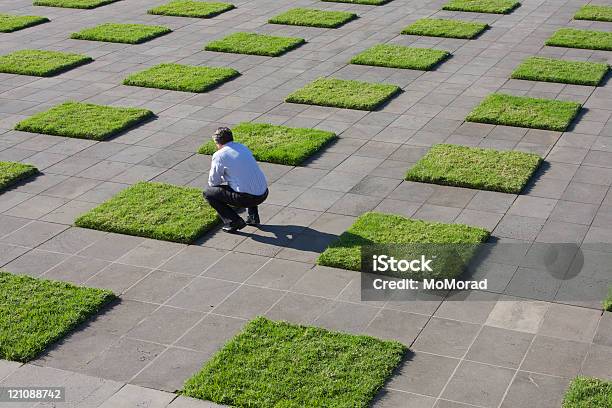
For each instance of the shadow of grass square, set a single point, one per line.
(562, 71)
(277, 144)
(439, 27)
(313, 18)
(587, 392)
(190, 8)
(473, 167)
(482, 6)
(121, 33)
(398, 56)
(586, 39)
(154, 210)
(178, 77)
(78, 4)
(84, 120)
(376, 228)
(278, 364)
(341, 93)
(594, 13)
(522, 111)
(40, 62)
(12, 172)
(34, 313)
(10, 23)
(254, 44)
(365, 2)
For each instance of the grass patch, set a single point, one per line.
(40, 63)
(79, 4)
(255, 44)
(398, 56)
(121, 33)
(587, 39)
(12, 172)
(342, 93)
(278, 364)
(521, 111)
(482, 6)
(439, 27)
(84, 120)
(473, 167)
(607, 303)
(376, 228)
(593, 12)
(153, 210)
(190, 8)
(34, 313)
(556, 70)
(277, 144)
(366, 2)
(178, 77)
(313, 18)
(10, 23)
(585, 392)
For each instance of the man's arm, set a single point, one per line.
(215, 176)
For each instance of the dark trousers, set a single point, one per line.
(223, 198)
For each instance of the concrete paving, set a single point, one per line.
(179, 304)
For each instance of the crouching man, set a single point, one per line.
(235, 180)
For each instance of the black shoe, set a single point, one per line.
(252, 220)
(234, 226)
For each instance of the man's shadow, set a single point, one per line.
(291, 236)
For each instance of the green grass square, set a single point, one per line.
(178, 77)
(365, 2)
(439, 27)
(12, 172)
(556, 70)
(521, 111)
(84, 120)
(482, 6)
(398, 56)
(254, 44)
(340, 93)
(607, 303)
(79, 4)
(121, 33)
(10, 23)
(313, 18)
(587, 39)
(586, 392)
(191, 8)
(34, 313)
(375, 228)
(154, 210)
(473, 167)
(594, 12)
(40, 63)
(277, 144)
(278, 364)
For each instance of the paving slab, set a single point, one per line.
(446, 337)
(478, 384)
(528, 387)
(423, 373)
(130, 396)
(552, 356)
(518, 315)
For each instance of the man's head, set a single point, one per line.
(223, 135)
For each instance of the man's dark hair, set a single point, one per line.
(223, 135)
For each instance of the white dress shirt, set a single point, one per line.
(235, 165)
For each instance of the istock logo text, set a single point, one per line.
(385, 263)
